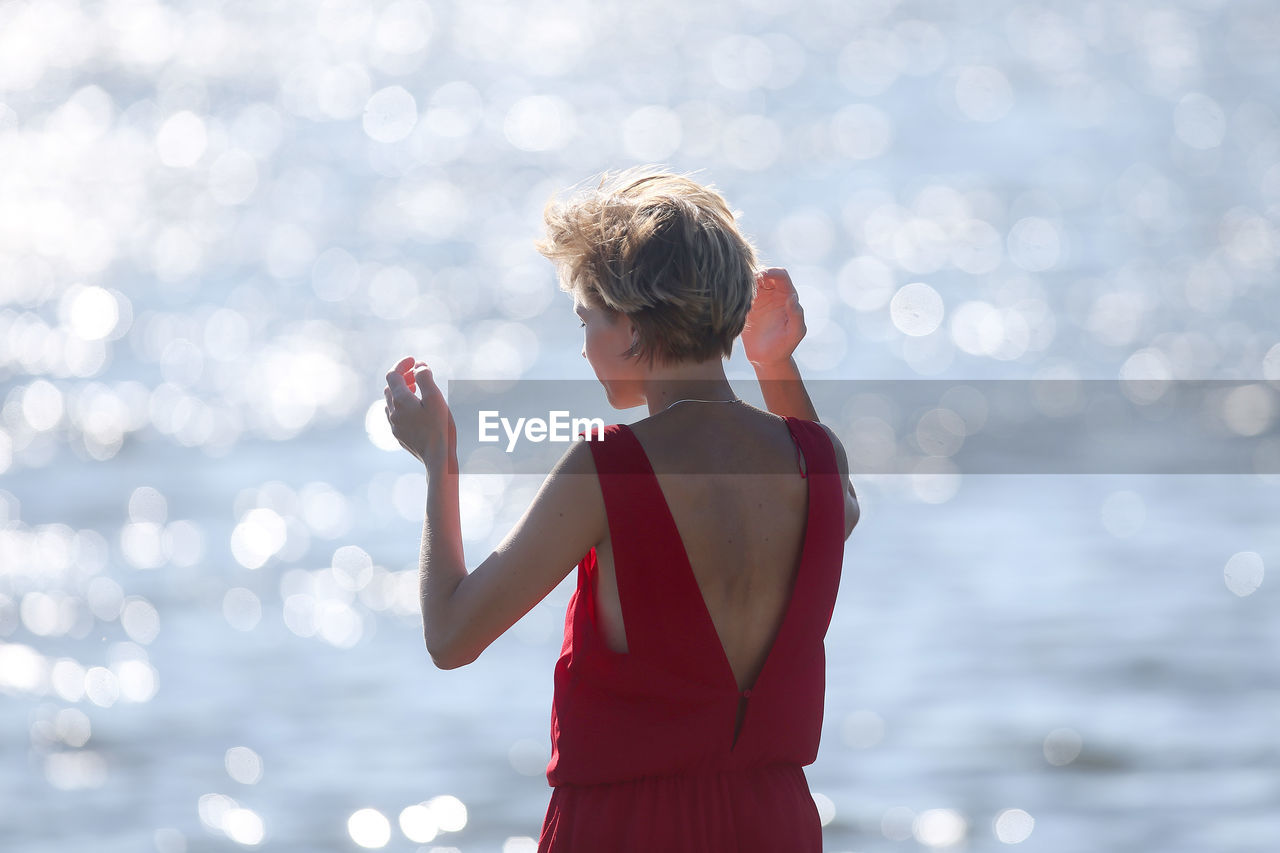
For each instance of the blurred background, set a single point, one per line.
(222, 223)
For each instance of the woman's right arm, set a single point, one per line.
(784, 391)
(775, 327)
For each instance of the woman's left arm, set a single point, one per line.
(463, 613)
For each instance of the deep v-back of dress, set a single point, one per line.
(736, 518)
(762, 635)
(659, 748)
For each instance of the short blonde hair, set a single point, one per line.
(665, 251)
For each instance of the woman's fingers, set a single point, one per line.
(399, 388)
(773, 277)
(413, 418)
(425, 381)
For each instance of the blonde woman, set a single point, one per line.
(689, 690)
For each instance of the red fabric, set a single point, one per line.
(642, 749)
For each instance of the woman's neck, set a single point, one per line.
(665, 384)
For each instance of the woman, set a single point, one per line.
(689, 690)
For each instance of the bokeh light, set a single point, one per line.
(826, 808)
(390, 114)
(449, 812)
(260, 534)
(243, 765)
(418, 824)
(1013, 826)
(241, 608)
(939, 828)
(1062, 746)
(916, 309)
(1244, 572)
(244, 826)
(369, 828)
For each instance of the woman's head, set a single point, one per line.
(661, 251)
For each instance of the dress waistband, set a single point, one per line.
(697, 774)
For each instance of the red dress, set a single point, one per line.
(643, 756)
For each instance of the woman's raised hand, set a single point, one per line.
(423, 425)
(775, 324)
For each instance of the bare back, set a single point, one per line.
(743, 532)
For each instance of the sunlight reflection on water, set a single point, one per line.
(220, 225)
